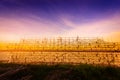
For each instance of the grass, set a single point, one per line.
(66, 72)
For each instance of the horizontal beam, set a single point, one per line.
(59, 50)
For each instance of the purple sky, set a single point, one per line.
(49, 18)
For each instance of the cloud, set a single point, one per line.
(98, 28)
(24, 27)
(33, 26)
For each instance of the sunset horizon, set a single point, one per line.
(54, 18)
(59, 39)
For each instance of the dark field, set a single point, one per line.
(58, 72)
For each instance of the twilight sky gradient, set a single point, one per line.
(50, 18)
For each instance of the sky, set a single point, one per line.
(54, 18)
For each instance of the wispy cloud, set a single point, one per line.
(99, 28)
(25, 27)
(17, 28)
(36, 18)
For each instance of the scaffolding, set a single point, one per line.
(61, 44)
(71, 50)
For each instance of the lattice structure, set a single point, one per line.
(62, 44)
(61, 50)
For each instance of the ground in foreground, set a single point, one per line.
(58, 72)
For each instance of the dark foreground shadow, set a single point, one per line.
(58, 72)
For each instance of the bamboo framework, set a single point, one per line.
(62, 44)
(61, 50)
